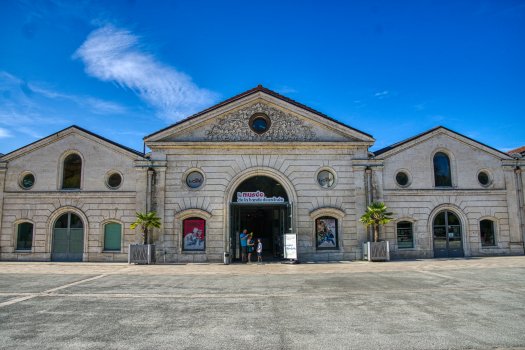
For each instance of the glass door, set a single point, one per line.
(447, 235)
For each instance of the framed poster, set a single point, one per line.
(326, 233)
(194, 234)
(290, 246)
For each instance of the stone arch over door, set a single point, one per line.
(462, 219)
(246, 174)
(51, 223)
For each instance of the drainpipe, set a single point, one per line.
(517, 171)
(368, 172)
(148, 200)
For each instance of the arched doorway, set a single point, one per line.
(261, 205)
(447, 235)
(68, 238)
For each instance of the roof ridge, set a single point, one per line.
(397, 144)
(517, 150)
(249, 92)
(81, 129)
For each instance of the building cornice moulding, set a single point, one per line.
(245, 145)
(442, 192)
(69, 194)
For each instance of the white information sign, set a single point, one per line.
(290, 246)
(256, 197)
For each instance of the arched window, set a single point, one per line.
(24, 239)
(405, 235)
(486, 228)
(442, 173)
(72, 172)
(112, 236)
(326, 230)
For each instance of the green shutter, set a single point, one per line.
(112, 236)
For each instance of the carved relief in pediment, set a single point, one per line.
(284, 126)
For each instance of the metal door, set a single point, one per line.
(235, 232)
(68, 238)
(447, 235)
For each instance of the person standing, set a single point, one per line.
(251, 246)
(244, 244)
(259, 251)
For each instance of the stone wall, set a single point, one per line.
(420, 201)
(225, 167)
(95, 203)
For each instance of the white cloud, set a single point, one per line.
(115, 55)
(380, 94)
(4, 133)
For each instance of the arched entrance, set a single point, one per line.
(261, 205)
(447, 235)
(68, 238)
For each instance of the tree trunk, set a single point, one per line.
(376, 233)
(144, 235)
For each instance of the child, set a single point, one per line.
(259, 251)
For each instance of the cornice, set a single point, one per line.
(280, 144)
(443, 192)
(441, 131)
(69, 194)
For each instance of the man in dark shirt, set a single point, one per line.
(244, 244)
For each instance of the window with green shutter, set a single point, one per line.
(112, 233)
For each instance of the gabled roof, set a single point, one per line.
(140, 154)
(259, 88)
(396, 145)
(520, 150)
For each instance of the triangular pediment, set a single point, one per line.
(230, 122)
(70, 132)
(433, 133)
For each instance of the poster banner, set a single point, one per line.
(194, 234)
(326, 233)
(290, 246)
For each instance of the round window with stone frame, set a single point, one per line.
(260, 123)
(195, 179)
(27, 180)
(484, 178)
(114, 180)
(403, 178)
(325, 179)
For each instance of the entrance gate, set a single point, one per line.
(260, 205)
(68, 238)
(267, 222)
(447, 235)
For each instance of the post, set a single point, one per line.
(148, 205)
(519, 190)
(369, 196)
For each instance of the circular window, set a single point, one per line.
(194, 179)
(27, 180)
(325, 178)
(402, 178)
(114, 180)
(484, 178)
(260, 123)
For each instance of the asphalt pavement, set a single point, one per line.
(417, 304)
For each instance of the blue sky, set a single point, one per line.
(393, 69)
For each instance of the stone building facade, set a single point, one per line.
(266, 163)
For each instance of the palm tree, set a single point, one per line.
(146, 221)
(376, 215)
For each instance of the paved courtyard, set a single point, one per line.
(472, 303)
